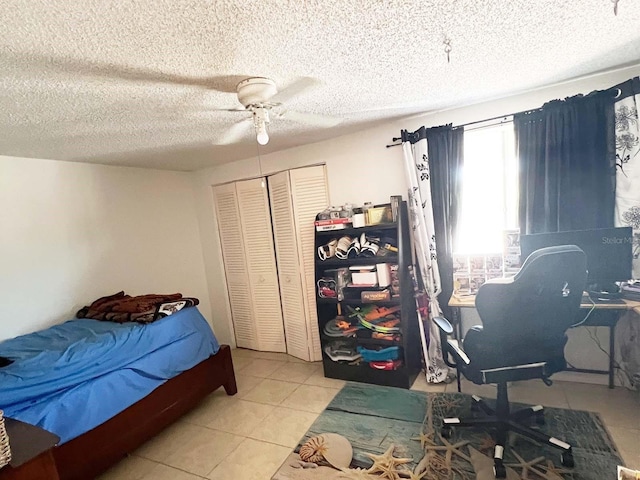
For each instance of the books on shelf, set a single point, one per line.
(327, 228)
(332, 221)
(332, 224)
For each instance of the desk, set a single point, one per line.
(604, 315)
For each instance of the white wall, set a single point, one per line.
(360, 169)
(71, 232)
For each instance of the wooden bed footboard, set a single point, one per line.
(93, 452)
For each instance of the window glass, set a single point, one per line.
(489, 189)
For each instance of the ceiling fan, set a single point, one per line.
(257, 95)
(260, 96)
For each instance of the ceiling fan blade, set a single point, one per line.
(92, 68)
(323, 121)
(296, 88)
(236, 132)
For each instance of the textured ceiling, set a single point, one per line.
(136, 82)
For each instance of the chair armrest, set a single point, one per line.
(450, 346)
(444, 325)
(457, 352)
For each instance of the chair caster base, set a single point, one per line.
(499, 470)
(567, 459)
(446, 432)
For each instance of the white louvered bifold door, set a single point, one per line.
(294, 310)
(235, 266)
(310, 196)
(255, 219)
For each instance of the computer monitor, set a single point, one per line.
(608, 250)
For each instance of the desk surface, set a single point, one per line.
(469, 301)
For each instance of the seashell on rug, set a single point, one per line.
(333, 448)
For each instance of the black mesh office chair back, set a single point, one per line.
(522, 337)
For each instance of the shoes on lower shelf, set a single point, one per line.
(341, 351)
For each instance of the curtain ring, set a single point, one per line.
(617, 95)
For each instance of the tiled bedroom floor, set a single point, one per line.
(248, 436)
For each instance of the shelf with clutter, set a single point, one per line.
(366, 311)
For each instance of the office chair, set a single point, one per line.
(522, 337)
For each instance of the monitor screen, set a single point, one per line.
(608, 250)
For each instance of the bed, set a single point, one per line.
(105, 388)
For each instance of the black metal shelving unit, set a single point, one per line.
(409, 343)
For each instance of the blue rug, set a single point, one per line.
(373, 418)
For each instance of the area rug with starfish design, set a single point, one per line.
(395, 434)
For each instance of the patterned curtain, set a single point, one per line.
(627, 214)
(414, 146)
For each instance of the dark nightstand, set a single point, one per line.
(31, 455)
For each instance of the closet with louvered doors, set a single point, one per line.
(244, 223)
(296, 196)
(267, 239)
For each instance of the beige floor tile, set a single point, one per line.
(246, 383)
(318, 379)
(470, 388)
(618, 407)
(292, 359)
(191, 448)
(260, 367)
(421, 385)
(310, 398)
(210, 407)
(275, 356)
(595, 389)
(535, 392)
(293, 372)
(284, 426)
(241, 362)
(619, 415)
(628, 442)
(251, 460)
(243, 352)
(272, 392)
(138, 468)
(241, 417)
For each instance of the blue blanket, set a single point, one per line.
(74, 376)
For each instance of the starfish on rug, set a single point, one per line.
(552, 469)
(528, 467)
(357, 474)
(409, 475)
(386, 464)
(450, 449)
(425, 439)
(488, 444)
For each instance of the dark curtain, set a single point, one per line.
(445, 146)
(566, 155)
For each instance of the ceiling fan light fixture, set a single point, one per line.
(262, 135)
(261, 118)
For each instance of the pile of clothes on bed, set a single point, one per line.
(121, 308)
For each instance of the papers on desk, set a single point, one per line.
(631, 290)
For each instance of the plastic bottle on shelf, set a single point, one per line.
(367, 206)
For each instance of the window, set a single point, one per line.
(489, 189)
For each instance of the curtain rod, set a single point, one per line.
(397, 139)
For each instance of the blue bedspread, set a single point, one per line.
(74, 376)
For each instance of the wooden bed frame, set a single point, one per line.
(93, 452)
